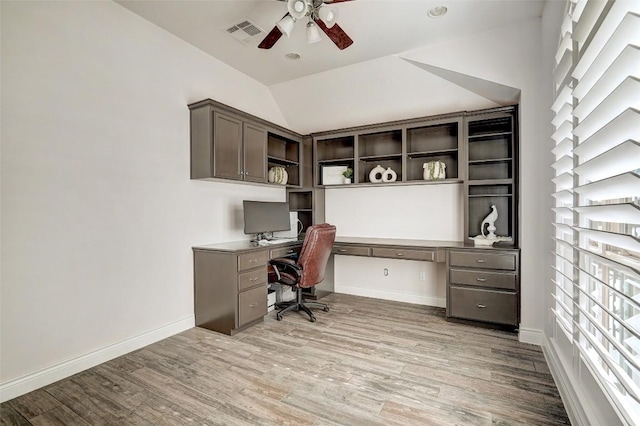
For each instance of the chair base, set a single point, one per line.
(300, 305)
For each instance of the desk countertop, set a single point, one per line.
(246, 245)
(243, 245)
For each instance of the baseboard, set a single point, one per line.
(30, 382)
(530, 335)
(568, 393)
(439, 302)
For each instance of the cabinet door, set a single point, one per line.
(255, 153)
(227, 146)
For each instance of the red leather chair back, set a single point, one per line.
(315, 252)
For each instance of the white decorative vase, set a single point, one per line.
(389, 175)
(347, 180)
(376, 174)
(434, 170)
(278, 175)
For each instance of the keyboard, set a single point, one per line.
(277, 241)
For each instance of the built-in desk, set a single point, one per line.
(231, 278)
(427, 250)
(230, 283)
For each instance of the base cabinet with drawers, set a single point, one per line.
(230, 289)
(483, 285)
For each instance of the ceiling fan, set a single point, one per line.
(319, 14)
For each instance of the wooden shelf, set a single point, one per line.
(374, 158)
(491, 160)
(432, 153)
(476, 138)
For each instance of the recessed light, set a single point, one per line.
(292, 56)
(437, 12)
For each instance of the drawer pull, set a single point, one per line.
(481, 279)
(481, 260)
(481, 306)
(399, 254)
(342, 250)
(253, 279)
(290, 251)
(253, 260)
(254, 305)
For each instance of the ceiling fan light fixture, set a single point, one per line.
(285, 25)
(329, 15)
(293, 56)
(313, 35)
(297, 8)
(437, 12)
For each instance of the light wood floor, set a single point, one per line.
(366, 362)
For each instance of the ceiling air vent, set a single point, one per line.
(245, 31)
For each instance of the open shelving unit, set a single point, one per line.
(491, 172)
(284, 152)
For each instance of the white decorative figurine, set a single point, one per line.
(488, 240)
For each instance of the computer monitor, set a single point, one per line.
(261, 217)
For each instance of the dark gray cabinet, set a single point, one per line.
(230, 144)
(484, 285)
(230, 289)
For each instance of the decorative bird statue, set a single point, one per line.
(490, 220)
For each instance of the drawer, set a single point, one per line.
(428, 255)
(252, 304)
(252, 278)
(484, 260)
(483, 305)
(483, 278)
(350, 250)
(284, 252)
(253, 260)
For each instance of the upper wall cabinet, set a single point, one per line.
(402, 149)
(229, 144)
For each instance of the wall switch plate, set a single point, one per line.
(423, 276)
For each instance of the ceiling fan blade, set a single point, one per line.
(271, 38)
(336, 34)
(335, 1)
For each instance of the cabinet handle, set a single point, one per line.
(253, 279)
(481, 279)
(399, 254)
(481, 260)
(254, 305)
(253, 260)
(290, 251)
(481, 306)
(342, 250)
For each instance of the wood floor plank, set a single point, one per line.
(366, 361)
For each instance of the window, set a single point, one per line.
(597, 198)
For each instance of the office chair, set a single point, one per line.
(307, 271)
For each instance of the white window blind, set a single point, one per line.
(597, 198)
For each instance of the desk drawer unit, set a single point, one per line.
(393, 253)
(350, 250)
(483, 305)
(252, 278)
(252, 305)
(474, 278)
(484, 285)
(483, 260)
(252, 260)
(284, 252)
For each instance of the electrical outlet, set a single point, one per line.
(386, 272)
(423, 276)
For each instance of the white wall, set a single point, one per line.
(510, 56)
(98, 212)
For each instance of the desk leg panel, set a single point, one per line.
(215, 291)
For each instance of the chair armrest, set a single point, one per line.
(283, 263)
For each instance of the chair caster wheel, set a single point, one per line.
(326, 309)
(279, 317)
